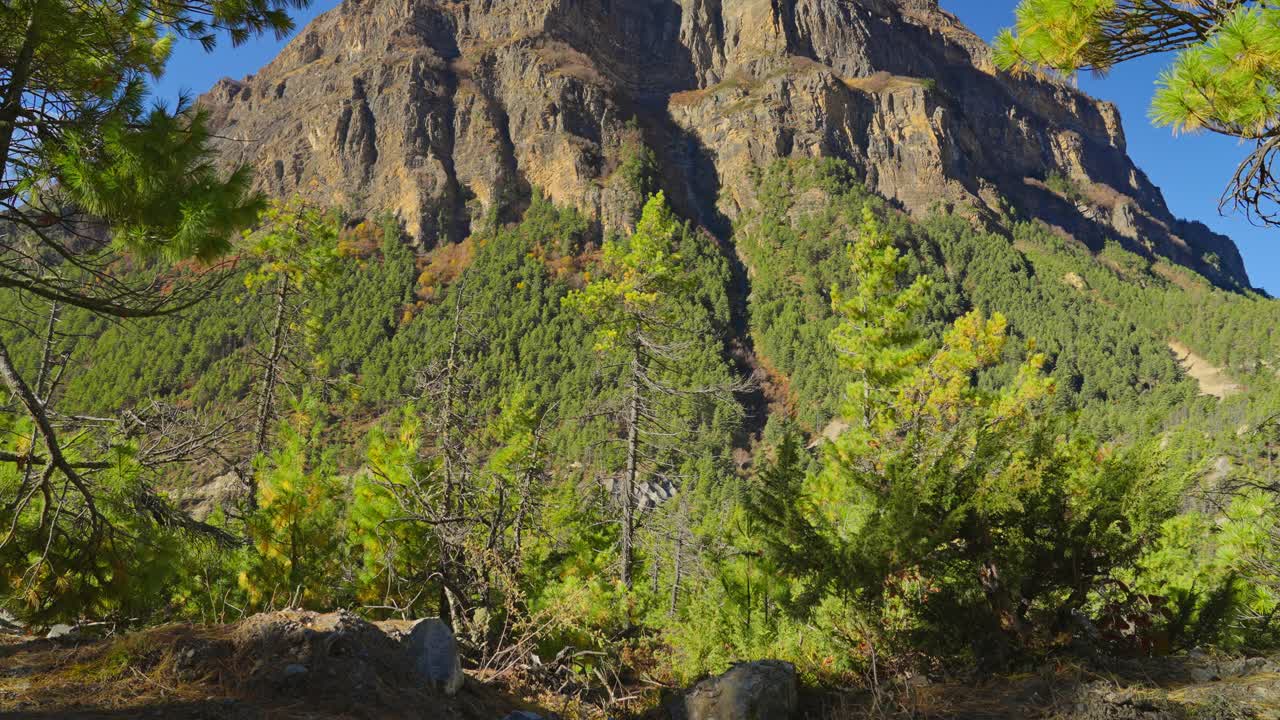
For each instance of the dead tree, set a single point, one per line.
(271, 368)
(654, 430)
(64, 454)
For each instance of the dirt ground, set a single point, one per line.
(1185, 688)
(279, 666)
(303, 666)
(1213, 380)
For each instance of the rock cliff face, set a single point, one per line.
(443, 111)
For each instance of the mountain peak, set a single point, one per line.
(445, 112)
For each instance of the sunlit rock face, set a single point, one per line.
(443, 112)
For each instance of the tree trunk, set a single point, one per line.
(677, 568)
(518, 524)
(526, 488)
(629, 476)
(36, 409)
(446, 429)
(1004, 608)
(269, 381)
(46, 353)
(451, 606)
(11, 104)
(655, 569)
(41, 390)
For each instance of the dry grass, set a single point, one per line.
(882, 82)
(745, 85)
(185, 672)
(189, 672)
(1180, 276)
(1004, 698)
(1065, 691)
(1104, 195)
(689, 98)
(52, 679)
(564, 61)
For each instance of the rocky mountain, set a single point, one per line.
(445, 111)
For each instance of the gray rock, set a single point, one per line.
(61, 631)
(9, 623)
(1202, 675)
(433, 652)
(763, 690)
(205, 496)
(440, 112)
(295, 669)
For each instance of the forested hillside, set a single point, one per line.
(400, 365)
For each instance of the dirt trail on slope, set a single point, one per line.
(1213, 379)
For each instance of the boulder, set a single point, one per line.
(60, 631)
(762, 690)
(9, 623)
(208, 495)
(433, 653)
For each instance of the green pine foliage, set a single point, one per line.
(100, 195)
(948, 516)
(79, 142)
(393, 556)
(928, 484)
(51, 575)
(793, 243)
(295, 532)
(1223, 78)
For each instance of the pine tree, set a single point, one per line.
(90, 176)
(643, 328)
(79, 147)
(1224, 77)
(514, 478)
(879, 339)
(297, 251)
(396, 549)
(945, 497)
(295, 530)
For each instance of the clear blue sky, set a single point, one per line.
(1190, 169)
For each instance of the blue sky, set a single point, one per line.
(1190, 169)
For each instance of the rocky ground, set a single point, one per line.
(1182, 688)
(285, 665)
(299, 665)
